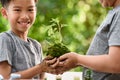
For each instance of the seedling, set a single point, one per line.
(54, 38)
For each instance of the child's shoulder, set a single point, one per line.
(34, 41)
(6, 36)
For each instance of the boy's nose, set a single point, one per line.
(24, 16)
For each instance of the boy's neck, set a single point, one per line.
(22, 35)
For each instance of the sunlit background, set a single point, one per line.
(82, 18)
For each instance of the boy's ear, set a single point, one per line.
(4, 12)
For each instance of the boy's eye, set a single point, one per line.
(16, 9)
(30, 9)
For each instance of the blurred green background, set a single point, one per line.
(82, 18)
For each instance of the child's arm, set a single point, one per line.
(5, 69)
(42, 76)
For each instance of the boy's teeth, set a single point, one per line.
(23, 23)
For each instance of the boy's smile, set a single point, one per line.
(21, 15)
(24, 23)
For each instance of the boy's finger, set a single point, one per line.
(62, 58)
(48, 58)
(50, 62)
(61, 64)
(55, 64)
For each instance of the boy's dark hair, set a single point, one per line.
(5, 3)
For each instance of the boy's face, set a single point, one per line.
(21, 14)
(108, 3)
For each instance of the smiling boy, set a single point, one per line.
(19, 53)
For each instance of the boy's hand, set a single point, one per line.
(49, 64)
(66, 62)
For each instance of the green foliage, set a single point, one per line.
(82, 19)
(54, 38)
(54, 31)
(3, 23)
